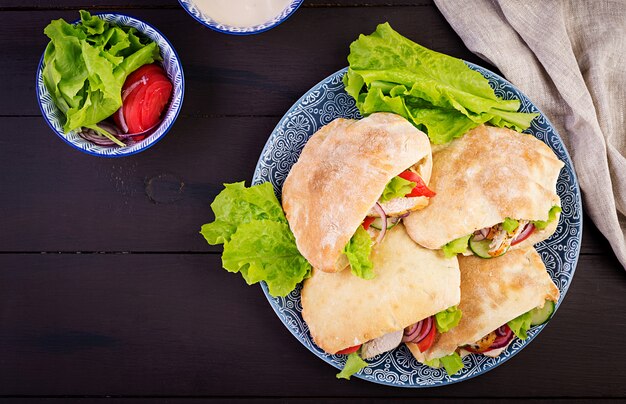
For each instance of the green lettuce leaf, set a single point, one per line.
(396, 188)
(236, 205)
(263, 250)
(456, 246)
(520, 325)
(452, 363)
(509, 225)
(257, 240)
(358, 252)
(448, 319)
(436, 92)
(542, 224)
(85, 66)
(354, 363)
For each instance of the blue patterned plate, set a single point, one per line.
(327, 101)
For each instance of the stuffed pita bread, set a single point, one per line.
(412, 283)
(495, 186)
(343, 171)
(499, 298)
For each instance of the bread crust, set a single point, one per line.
(341, 173)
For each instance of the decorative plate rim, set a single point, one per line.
(169, 118)
(577, 204)
(205, 20)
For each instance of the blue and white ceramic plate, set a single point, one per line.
(207, 21)
(327, 101)
(170, 63)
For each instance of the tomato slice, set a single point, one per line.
(149, 71)
(150, 91)
(156, 98)
(349, 350)
(132, 109)
(420, 188)
(427, 342)
(368, 221)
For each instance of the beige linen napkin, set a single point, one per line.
(569, 58)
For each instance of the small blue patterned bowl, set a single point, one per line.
(207, 21)
(171, 63)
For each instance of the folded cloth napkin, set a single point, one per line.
(569, 57)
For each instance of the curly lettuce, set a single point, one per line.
(358, 252)
(452, 363)
(448, 319)
(456, 246)
(354, 363)
(542, 224)
(396, 188)
(257, 240)
(438, 93)
(521, 324)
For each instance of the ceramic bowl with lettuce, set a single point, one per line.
(108, 84)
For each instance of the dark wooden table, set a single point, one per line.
(108, 290)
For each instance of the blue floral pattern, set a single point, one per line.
(54, 117)
(327, 101)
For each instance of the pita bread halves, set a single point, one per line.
(341, 174)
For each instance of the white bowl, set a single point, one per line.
(207, 21)
(171, 64)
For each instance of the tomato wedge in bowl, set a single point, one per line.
(145, 95)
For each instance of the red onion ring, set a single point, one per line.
(120, 116)
(428, 325)
(383, 217)
(96, 139)
(485, 231)
(127, 135)
(412, 331)
(504, 336)
(528, 230)
(130, 88)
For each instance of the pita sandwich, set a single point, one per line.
(493, 294)
(340, 176)
(494, 185)
(412, 283)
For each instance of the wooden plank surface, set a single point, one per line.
(57, 199)
(106, 288)
(178, 325)
(265, 73)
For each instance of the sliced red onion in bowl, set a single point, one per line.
(91, 136)
(120, 116)
(143, 132)
(383, 217)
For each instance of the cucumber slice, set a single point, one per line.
(378, 223)
(540, 315)
(480, 248)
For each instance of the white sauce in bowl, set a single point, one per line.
(242, 13)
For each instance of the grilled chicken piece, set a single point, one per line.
(485, 342)
(381, 344)
(400, 206)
